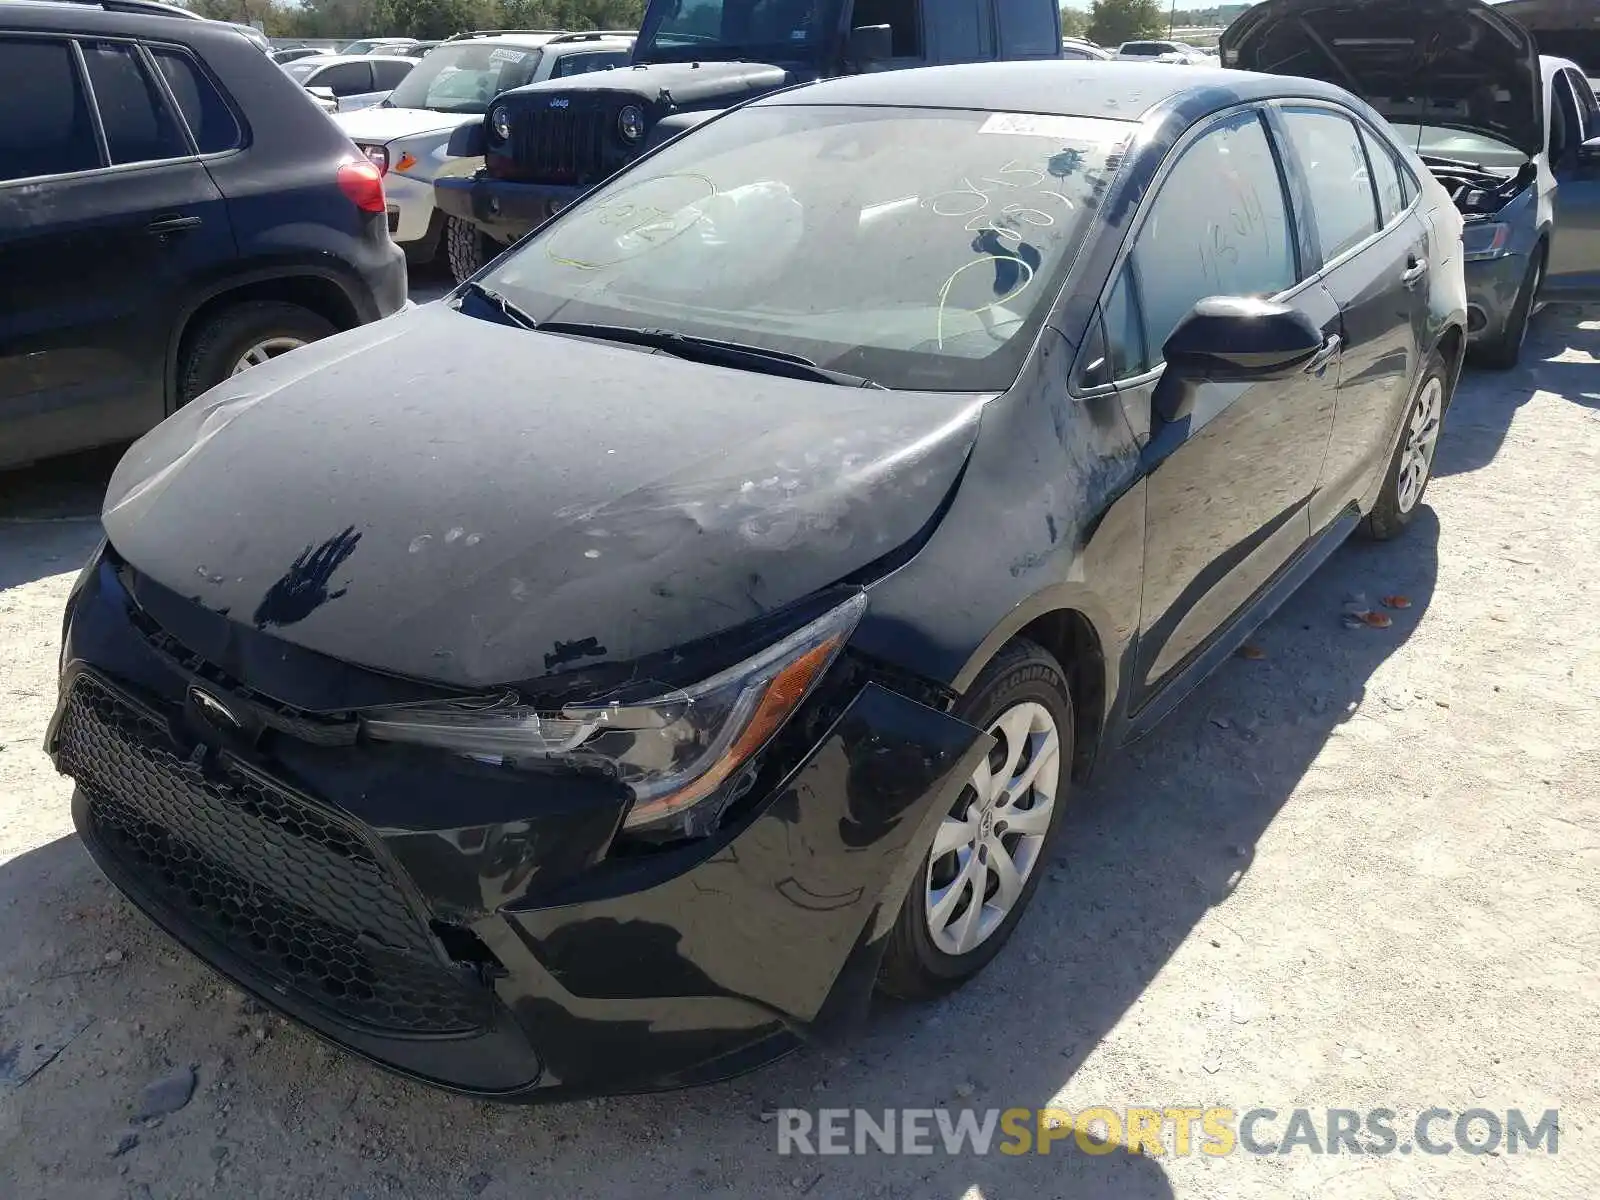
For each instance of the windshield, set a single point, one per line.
(1466, 145)
(365, 47)
(689, 29)
(464, 78)
(920, 248)
(1147, 48)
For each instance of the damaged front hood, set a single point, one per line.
(1453, 63)
(455, 500)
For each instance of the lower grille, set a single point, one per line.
(282, 884)
(561, 145)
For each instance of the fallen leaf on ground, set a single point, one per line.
(1397, 601)
(1377, 620)
(1253, 652)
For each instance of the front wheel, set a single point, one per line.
(1412, 465)
(987, 855)
(245, 336)
(467, 248)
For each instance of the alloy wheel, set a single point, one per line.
(1422, 438)
(990, 843)
(264, 351)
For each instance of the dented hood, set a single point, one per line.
(454, 500)
(1454, 63)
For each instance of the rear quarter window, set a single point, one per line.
(210, 118)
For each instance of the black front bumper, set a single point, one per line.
(503, 209)
(471, 930)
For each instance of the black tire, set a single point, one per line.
(1504, 350)
(1389, 517)
(913, 967)
(467, 248)
(216, 346)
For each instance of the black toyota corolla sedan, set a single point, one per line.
(605, 677)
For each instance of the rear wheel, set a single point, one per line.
(979, 875)
(467, 248)
(1504, 351)
(1412, 465)
(244, 336)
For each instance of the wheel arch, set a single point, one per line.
(1073, 627)
(320, 293)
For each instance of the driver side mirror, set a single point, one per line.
(1232, 339)
(871, 44)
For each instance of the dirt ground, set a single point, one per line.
(1359, 872)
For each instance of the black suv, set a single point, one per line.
(173, 209)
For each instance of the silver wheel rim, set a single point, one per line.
(264, 351)
(990, 843)
(1422, 436)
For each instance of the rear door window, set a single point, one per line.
(211, 122)
(1385, 176)
(389, 74)
(1344, 206)
(47, 128)
(139, 125)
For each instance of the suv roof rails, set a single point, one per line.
(478, 33)
(594, 35)
(150, 8)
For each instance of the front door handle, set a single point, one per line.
(1329, 351)
(1416, 269)
(173, 224)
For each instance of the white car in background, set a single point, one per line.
(407, 133)
(1156, 51)
(342, 82)
(1083, 50)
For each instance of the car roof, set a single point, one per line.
(1054, 87)
(325, 60)
(74, 16)
(604, 43)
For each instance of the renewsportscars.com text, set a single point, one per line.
(1177, 1130)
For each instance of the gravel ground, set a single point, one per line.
(1358, 871)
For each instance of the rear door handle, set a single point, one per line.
(1416, 268)
(1319, 361)
(172, 224)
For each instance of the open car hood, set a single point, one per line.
(1454, 63)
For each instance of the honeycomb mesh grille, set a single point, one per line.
(290, 890)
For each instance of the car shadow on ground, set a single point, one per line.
(1560, 357)
(1159, 842)
(50, 514)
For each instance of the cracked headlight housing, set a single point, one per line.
(681, 752)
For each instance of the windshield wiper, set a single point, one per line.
(712, 350)
(504, 307)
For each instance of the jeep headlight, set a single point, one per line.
(500, 119)
(674, 751)
(630, 122)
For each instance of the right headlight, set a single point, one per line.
(500, 120)
(1485, 239)
(674, 751)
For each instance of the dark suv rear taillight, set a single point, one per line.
(362, 182)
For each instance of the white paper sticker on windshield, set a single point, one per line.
(1071, 129)
(507, 56)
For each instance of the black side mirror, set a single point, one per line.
(467, 141)
(871, 43)
(1232, 339)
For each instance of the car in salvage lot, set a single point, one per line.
(343, 82)
(898, 447)
(172, 210)
(408, 133)
(1504, 130)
